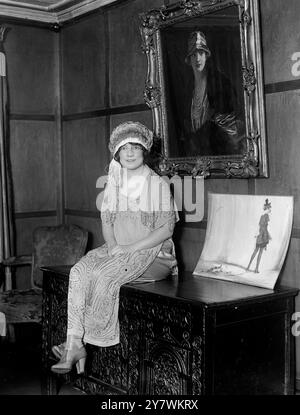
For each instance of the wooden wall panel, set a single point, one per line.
(291, 267)
(92, 225)
(30, 66)
(85, 159)
(127, 68)
(283, 123)
(127, 63)
(83, 51)
(290, 277)
(280, 38)
(34, 167)
(144, 117)
(189, 243)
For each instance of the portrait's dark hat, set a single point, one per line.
(267, 204)
(197, 41)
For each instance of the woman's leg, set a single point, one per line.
(101, 316)
(258, 259)
(253, 256)
(73, 351)
(79, 282)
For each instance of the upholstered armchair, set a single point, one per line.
(52, 245)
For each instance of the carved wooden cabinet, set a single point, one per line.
(185, 335)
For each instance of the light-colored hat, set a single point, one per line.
(197, 41)
(130, 131)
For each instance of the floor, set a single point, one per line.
(20, 365)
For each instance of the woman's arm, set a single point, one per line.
(109, 236)
(155, 238)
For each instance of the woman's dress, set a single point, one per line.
(95, 281)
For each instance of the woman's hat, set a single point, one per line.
(130, 131)
(197, 41)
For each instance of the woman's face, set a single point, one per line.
(131, 156)
(198, 60)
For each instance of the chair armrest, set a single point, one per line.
(15, 261)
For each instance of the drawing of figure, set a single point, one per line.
(263, 238)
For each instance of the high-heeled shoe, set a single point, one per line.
(58, 350)
(69, 358)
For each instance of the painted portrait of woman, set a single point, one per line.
(204, 93)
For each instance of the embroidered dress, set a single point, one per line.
(95, 281)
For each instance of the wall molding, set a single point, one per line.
(28, 14)
(105, 112)
(187, 225)
(31, 117)
(83, 213)
(277, 87)
(35, 214)
(55, 14)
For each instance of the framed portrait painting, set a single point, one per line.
(204, 86)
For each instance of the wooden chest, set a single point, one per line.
(184, 335)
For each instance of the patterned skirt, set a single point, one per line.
(94, 287)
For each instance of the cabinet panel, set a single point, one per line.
(249, 357)
(174, 344)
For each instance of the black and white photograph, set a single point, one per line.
(149, 204)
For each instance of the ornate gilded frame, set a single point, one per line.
(253, 162)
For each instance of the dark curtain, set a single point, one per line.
(6, 201)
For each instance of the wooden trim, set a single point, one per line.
(203, 225)
(59, 131)
(53, 14)
(32, 117)
(38, 214)
(86, 6)
(251, 186)
(106, 111)
(83, 213)
(40, 16)
(6, 19)
(282, 86)
(107, 76)
(65, 19)
(106, 54)
(189, 225)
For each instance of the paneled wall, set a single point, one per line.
(104, 71)
(31, 59)
(69, 89)
(103, 80)
(281, 39)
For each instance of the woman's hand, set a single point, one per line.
(123, 249)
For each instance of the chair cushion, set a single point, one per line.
(22, 306)
(56, 245)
